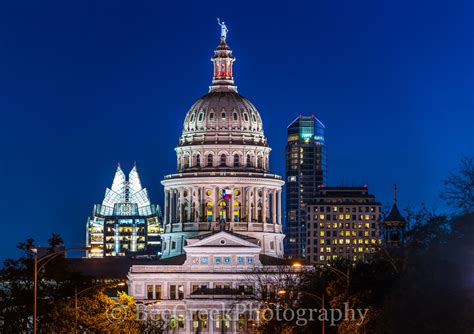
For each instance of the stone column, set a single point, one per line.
(279, 208)
(191, 202)
(231, 206)
(181, 205)
(255, 203)
(171, 211)
(165, 216)
(274, 192)
(216, 205)
(264, 205)
(249, 205)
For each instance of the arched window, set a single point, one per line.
(211, 116)
(200, 117)
(259, 162)
(234, 115)
(186, 161)
(209, 160)
(246, 117)
(223, 115)
(192, 118)
(236, 160)
(223, 160)
(249, 162)
(253, 118)
(198, 160)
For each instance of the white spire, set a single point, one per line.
(134, 180)
(123, 191)
(118, 184)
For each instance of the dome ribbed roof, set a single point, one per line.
(223, 114)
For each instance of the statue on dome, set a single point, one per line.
(224, 29)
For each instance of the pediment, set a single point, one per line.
(223, 240)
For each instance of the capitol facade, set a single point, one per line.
(223, 178)
(222, 219)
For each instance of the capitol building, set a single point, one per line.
(222, 217)
(223, 170)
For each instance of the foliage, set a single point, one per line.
(55, 283)
(97, 313)
(459, 187)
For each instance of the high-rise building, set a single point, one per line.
(305, 172)
(223, 178)
(343, 222)
(126, 223)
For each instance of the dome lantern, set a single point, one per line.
(223, 60)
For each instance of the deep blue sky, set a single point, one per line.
(84, 84)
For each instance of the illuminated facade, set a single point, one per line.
(210, 289)
(126, 223)
(305, 171)
(223, 168)
(342, 222)
(222, 218)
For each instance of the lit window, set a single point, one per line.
(321, 234)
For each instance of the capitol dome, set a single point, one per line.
(223, 179)
(223, 117)
(222, 130)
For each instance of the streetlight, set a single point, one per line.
(48, 257)
(296, 265)
(76, 294)
(340, 273)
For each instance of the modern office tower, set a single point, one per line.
(394, 225)
(126, 223)
(342, 222)
(305, 172)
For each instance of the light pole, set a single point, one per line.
(340, 273)
(76, 294)
(46, 259)
(320, 300)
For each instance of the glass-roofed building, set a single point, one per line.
(126, 223)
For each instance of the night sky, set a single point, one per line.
(85, 84)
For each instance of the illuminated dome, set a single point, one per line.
(223, 179)
(223, 130)
(223, 117)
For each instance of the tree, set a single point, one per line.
(55, 283)
(97, 313)
(459, 187)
